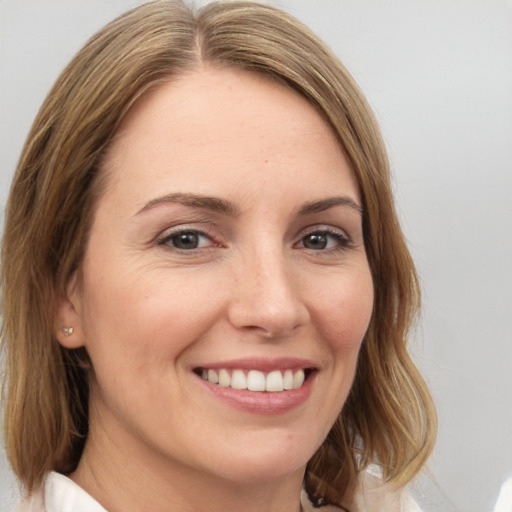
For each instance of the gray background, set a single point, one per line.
(439, 76)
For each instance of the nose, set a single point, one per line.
(267, 299)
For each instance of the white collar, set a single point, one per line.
(61, 494)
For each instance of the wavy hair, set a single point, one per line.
(388, 418)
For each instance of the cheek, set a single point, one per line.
(145, 320)
(345, 310)
(341, 315)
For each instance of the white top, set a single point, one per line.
(61, 494)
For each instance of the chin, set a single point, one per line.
(251, 473)
(265, 462)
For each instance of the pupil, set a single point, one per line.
(186, 241)
(315, 241)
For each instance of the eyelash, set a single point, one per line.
(342, 241)
(167, 239)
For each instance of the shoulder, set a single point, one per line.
(375, 495)
(33, 503)
(370, 494)
(58, 494)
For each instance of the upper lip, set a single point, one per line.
(260, 363)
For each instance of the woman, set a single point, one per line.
(206, 290)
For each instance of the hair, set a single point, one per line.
(388, 418)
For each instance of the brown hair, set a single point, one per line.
(388, 418)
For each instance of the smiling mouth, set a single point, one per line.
(255, 380)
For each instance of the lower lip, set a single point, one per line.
(262, 402)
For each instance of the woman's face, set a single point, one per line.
(227, 245)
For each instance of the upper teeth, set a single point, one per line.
(254, 380)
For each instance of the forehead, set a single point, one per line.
(226, 126)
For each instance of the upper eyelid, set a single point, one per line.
(205, 228)
(213, 236)
(324, 228)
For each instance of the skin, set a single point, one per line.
(257, 286)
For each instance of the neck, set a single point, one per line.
(137, 482)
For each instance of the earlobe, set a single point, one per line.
(68, 331)
(68, 321)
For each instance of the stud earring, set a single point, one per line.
(68, 331)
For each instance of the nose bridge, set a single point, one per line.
(267, 297)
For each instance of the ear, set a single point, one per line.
(68, 319)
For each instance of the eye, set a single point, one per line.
(322, 240)
(187, 240)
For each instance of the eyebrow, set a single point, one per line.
(215, 204)
(330, 202)
(223, 206)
